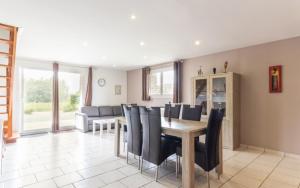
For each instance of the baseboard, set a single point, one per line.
(271, 151)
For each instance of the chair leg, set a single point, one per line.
(156, 173)
(176, 166)
(208, 182)
(139, 163)
(142, 165)
(127, 156)
(166, 162)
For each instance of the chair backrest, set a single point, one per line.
(122, 108)
(151, 122)
(212, 137)
(189, 113)
(134, 130)
(175, 110)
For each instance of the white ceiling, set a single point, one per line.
(101, 33)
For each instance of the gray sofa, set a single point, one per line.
(84, 118)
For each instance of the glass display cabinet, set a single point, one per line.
(220, 91)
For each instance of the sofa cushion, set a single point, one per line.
(90, 111)
(117, 110)
(106, 111)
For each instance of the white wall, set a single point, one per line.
(106, 95)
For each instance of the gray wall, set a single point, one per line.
(267, 120)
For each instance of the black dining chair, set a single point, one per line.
(175, 111)
(156, 148)
(125, 126)
(134, 132)
(188, 113)
(207, 154)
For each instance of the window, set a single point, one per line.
(161, 82)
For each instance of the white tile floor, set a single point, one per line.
(78, 160)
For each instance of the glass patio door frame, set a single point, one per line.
(66, 70)
(36, 131)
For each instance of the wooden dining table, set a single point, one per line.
(187, 130)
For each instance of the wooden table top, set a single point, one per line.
(179, 125)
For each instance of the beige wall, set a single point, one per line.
(267, 120)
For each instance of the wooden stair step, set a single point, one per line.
(4, 54)
(5, 41)
(6, 77)
(11, 139)
(6, 27)
(2, 65)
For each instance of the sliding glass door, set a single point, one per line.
(69, 98)
(37, 94)
(37, 100)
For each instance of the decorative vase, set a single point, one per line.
(200, 71)
(214, 70)
(225, 66)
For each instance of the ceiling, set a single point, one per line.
(102, 33)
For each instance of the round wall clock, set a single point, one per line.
(101, 82)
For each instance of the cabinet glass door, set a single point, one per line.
(201, 94)
(219, 93)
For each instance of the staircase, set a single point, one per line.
(8, 40)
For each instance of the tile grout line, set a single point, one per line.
(271, 171)
(244, 167)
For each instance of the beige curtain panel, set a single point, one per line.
(55, 99)
(177, 88)
(89, 89)
(145, 83)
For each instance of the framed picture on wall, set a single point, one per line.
(118, 89)
(275, 79)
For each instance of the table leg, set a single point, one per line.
(117, 138)
(94, 128)
(101, 129)
(219, 168)
(188, 160)
(108, 124)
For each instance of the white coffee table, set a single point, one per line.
(101, 122)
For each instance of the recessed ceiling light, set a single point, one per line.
(103, 57)
(197, 42)
(142, 43)
(114, 65)
(145, 57)
(85, 44)
(132, 17)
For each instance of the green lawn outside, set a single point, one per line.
(43, 120)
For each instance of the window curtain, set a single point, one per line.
(55, 99)
(89, 89)
(177, 88)
(145, 84)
